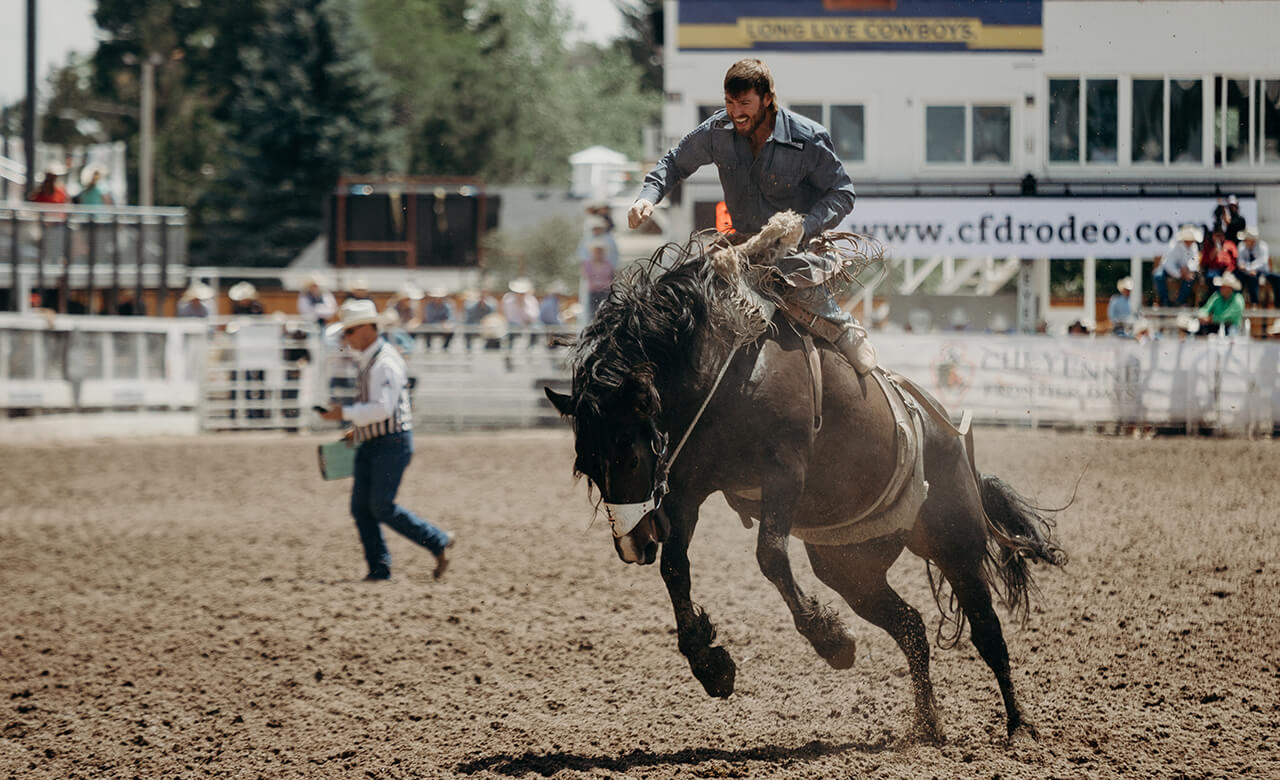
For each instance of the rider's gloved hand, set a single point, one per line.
(639, 214)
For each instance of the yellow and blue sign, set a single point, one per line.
(861, 25)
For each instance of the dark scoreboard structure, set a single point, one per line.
(409, 222)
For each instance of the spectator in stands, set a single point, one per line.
(359, 290)
(197, 301)
(478, 305)
(94, 192)
(50, 190)
(551, 304)
(1218, 256)
(1253, 266)
(1228, 217)
(404, 315)
(439, 315)
(1180, 264)
(520, 308)
(598, 272)
(382, 420)
(1224, 311)
(129, 305)
(244, 299)
(315, 303)
(1120, 308)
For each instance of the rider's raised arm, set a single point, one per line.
(829, 177)
(693, 152)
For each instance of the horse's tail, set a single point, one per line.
(1017, 533)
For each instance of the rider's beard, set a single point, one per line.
(753, 123)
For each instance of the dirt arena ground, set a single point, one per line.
(193, 607)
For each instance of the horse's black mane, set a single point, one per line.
(649, 320)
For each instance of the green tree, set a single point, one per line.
(489, 88)
(306, 107)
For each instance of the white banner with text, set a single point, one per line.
(1060, 227)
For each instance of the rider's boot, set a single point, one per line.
(856, 347)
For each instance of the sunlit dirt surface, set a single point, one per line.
(193, 607)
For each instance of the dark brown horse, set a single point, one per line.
(671, 359)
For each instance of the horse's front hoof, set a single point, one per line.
(841, 651)
(715, 669)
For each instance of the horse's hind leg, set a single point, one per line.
(974, 597)
(857, 573)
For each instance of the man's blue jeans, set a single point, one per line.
(1159, 280)
(380, 463)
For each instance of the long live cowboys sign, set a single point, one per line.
(1031, 227)
(866, 25)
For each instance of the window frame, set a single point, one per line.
(968, 163)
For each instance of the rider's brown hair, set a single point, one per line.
(750, 74)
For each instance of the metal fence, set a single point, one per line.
(66, 254)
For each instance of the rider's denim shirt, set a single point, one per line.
(796, 169)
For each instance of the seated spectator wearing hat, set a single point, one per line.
(244, 299)
(94, 191)
(478, 307)
(359, 290)
(50, 191)
(1228, 217)
(1180, 264)
(315, 303)
(549, 310)
(1253, 266)
(404, 310)
(1224, 311)
(1217, 256)
(439, 315)
(520, 307)
(197, 301)
(382, 420)
(1120, 308)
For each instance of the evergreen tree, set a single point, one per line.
(307, 107)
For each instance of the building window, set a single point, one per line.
(1064, 120)
(944, 134)
(1147, 134)
(808, 110)
(1186, 120)
(848, 133)
(1268, 120)
(971, 134)
(1101, 120)
(706, 112)
(991, 134)
(1231, 121)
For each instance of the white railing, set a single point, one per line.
(265, 373)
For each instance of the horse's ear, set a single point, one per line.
(562, 402)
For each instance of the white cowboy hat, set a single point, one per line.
(356, 311)
(520, 285)
(1247, 233)
(197, 290)
(1125, 284)
(242, 291)
(1189, 233)
(1227, 279)
(437, 292)
(1232, 200)
(359, 283)
(1187, 322)
(411, 291)
(318, 279)
(56, 169)
(87, 172)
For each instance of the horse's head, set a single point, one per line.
(621, 451)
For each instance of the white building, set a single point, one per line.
(1130, 116)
